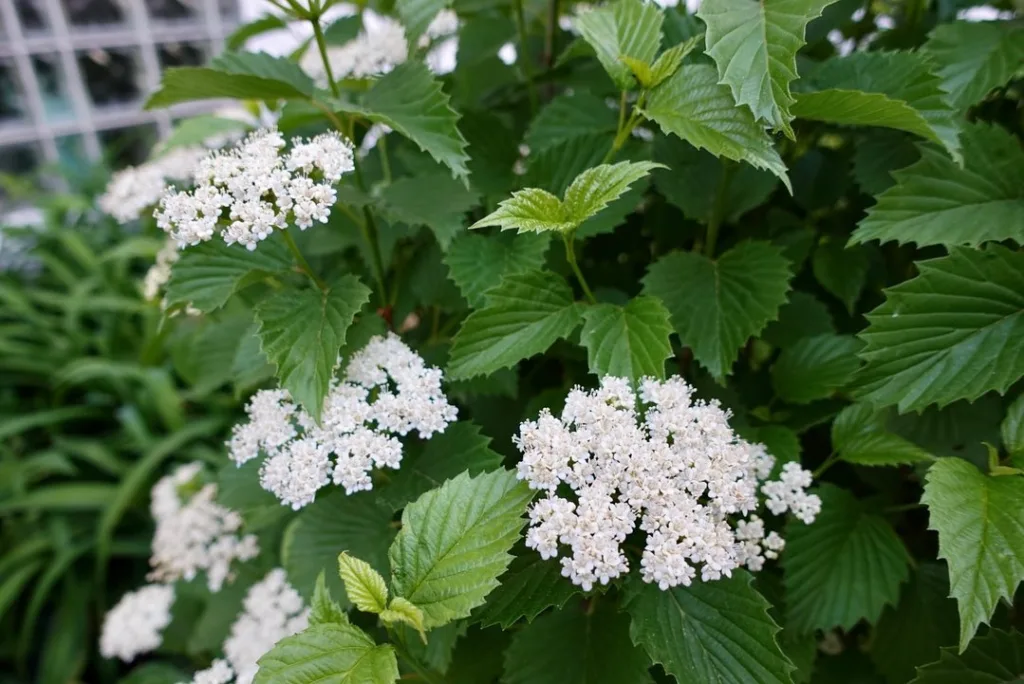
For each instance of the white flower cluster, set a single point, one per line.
(388, 390)
(136, 624)
(678, 469)
(133, 190)
(272, 610)
(252, 189)
(382, 45)
(160, 272)
(194, 533)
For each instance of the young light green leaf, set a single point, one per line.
(716, 306)
(912, 633)
(815, 367)
(845, 567)
(411, 101)
(477, 263)
(709, 632)
(641, 70)
(323, 609)
(524, 316)
(365, 587)
(956, 331)
(849, 88)
(573, 647)
(992, 658)
(630, 341)
(402, 611)
(859, 436)
(301, 332)
(670, 60)
(694, 106)
(530, 210)
(1012, 428)
(455, 542)
(239, 75)
(980, 521)
(531, 586)
(335, 653)
(625, 28)
(359, 524)
(938, 202)
(595, 188)
(975, 57)
(206, 275)
(754, 45)
(460, 448)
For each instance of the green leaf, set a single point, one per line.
(802, 316)
(477, 263)
(1012, 427)
(694, 176)
(433, 199)
(845, 567)
(694, 106)
(991, 659)
(411, 101)
(460, 448)
(365, 587)
(531, 586)
(455, 542)
(859, 436)
(840, 269)
(595, 188)
(328, 654)
(323, 609)
(359, 524)
(717, 306)
(980, 521)
(975, 57)
(956, 331)
(206, 275)
(938, 202)
(754, 45)
(626, 28)
(670, 60)
(536, 210)
(197, 130)
(630, 341)
(573, 647)
(301, 332)
(241, 35)
(524, 316)
(815, 367)
(876, 88)
(402, 611)
(911, 633)
(709, 632)
(416, 15)
(530, 210)
(237, 75)
(568, 117)
(878, 153)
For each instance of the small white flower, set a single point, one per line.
(136, 624)
(219, 672)
(194, 533)
(672, 468)
(508, 54)
(133, 190)
(272, 610)
(387, 392)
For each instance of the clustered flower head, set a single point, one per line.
(272, 610)
(387, 391)
(136, 624)
(133, 190)
(193, 532)
(252, 189)
(675, 467)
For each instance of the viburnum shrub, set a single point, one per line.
(608, 343)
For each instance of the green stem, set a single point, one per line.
(322, 45)
(718, 208)
(424, 673)
(625, 126)
(903, 508)
(382, 147)
(829, 462)
(524, 61)
(549, 34)
(570, 255)
(303, 264)
(369, 230)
